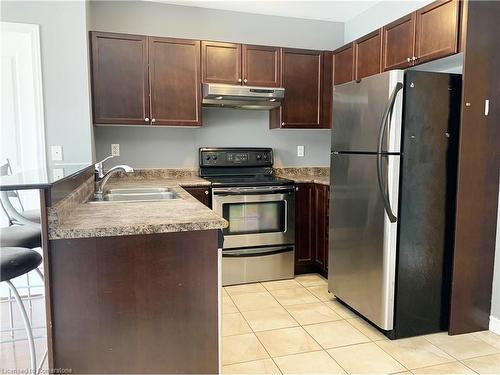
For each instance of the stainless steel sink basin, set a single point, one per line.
(136, 195)
(142, 190)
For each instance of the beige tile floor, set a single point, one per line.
(297, 327)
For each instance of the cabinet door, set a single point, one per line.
(221, 63)
(344, 65)
(174, 66)
(302, 70)
(261, 66)
(327, 90)
(304, 217)
(368, 52)
(321, 226)
(202, 194)
(398, 43)
(120, 89)
(437, 30)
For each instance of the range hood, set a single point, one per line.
(244, 97)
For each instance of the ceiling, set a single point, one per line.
(326, 10)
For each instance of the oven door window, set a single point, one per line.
(258, 217)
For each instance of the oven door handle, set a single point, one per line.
(251, 191)
(246, 253)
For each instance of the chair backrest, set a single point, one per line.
(6, 170)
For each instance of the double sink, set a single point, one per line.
(135, 195)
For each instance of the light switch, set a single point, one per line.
(300, 151)
(56, 153)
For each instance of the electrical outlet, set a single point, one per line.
(57, 173)
(300, 151)
(57, 154)
(115, 149)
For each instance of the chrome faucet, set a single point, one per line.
(102, 178)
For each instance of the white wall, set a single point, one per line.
(64, 71)
(160, 19)
(379, 15)
(177, 147)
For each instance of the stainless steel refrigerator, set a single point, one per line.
(393, 177)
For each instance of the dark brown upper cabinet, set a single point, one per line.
(302, 80)
(368, 55)
(327, 90)
(174, 68)
(221, 63)
(437, 30)
(398, 43)
(120, 79)
(261, 66)
(237, 64)
(343, 64)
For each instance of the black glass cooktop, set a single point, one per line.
(254, 180)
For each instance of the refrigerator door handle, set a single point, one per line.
(383, 192)
(386, 118)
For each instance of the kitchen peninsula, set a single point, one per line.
(134, 285)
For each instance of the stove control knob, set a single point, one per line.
(259, 156)
(214, 157)
(265, 157)
(207, 157)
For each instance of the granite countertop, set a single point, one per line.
(75, 217)
(316, 175)
(128, 218)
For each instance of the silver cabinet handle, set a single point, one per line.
(206, 192)
(283, 123)
(408, 59)
(239, 79)
(413, 58)
(153, 120)
(146, 119)
(297, 188)
(245, 80)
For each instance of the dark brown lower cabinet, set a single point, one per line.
(304, 208)
(311, 228)
(135, 304)
(321, 227)
(203, 194)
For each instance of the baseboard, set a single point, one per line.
(495, 325)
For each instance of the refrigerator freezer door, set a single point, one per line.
(358, 111)
(362, 252)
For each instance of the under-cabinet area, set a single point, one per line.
(250, 187)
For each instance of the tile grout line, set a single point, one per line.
(458, 359)
(447, 363)
(389, 354)
(254, 333)
(378, 346)
(307, 333)
(409, 369)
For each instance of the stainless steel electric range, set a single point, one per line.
(260, 209)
